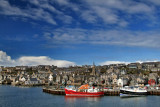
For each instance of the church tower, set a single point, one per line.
(93, 69)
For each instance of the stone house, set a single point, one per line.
(23, 78)
(134, 66)
(14, 80)
(59, 78)
(69, 82)
(92, 78)
(149, 65)
(155, 69)
(9, 77)
(31, 81)
(10, 69)
(77, 82)
(141, 81)
(110, 69)
(108, 81)
(123, 71)
(114, 76)
(153, 76)
(65, 77)
(117, 71)
(133, 82)
(114, 81)
(71, 78)
(1, 79)
(104, 76)
(34, 68)
(23, 68)
(1, 68)
(34, 75)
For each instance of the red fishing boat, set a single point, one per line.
(84, 90)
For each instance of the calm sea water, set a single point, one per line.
(34, 97)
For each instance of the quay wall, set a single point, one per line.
(107, 93)
(154, 92)
(62, 92)
(112, 93)
(56, 92)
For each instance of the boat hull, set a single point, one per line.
(125, 93)
(130, 95)
(75, 93)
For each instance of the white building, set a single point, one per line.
(120, 82)
(1, 79)
(50, 77)
(23, 79)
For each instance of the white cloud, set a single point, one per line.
(68, 4)
(114, 62)
(106, 14)
(124, 62)
(68, 36)
(129, 6)
(33, 13)
(142, 61)
(156, 2)
(109, 10)
(140, 8)
(50, 7)
(44, 4)
(89, 16)
(43, 10)
(6, 60)
(43, 60)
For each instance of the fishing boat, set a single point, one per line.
(84, 90)
(132, 91)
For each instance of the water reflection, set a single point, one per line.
(73, 99)
(134, 98)
(137, 101)
(33, 97)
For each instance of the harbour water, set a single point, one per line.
(34, 97)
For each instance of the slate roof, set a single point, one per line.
(33, 79)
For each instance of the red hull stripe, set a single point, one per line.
(74, 93)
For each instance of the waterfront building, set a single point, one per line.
(59, 78)
(153, 76)
(110, 69)
(69, 82)
(1, 79)
(155, 69)
(123, 71)
(50, 78)
(148, 66)
(141, 81)
(23, 68)
(23, 78)
(120, 82)
(1, 68)
(134, 66)
(114, 82)
(31, 81)
(76, 75)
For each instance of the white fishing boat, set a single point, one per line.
(132, 91)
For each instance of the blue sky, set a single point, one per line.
(78, 32)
